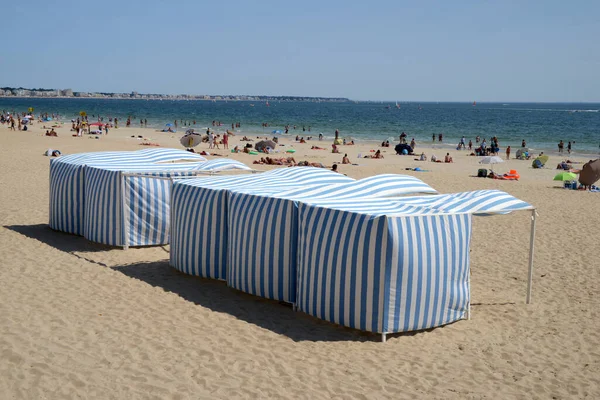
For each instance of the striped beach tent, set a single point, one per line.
(123, 198)
(263, 230)
(199, 223)
(394, 267)
(67, 173)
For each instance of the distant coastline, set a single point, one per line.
(21, 92)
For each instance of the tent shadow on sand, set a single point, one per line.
(268, 314)
(212, 294)
(61, 241)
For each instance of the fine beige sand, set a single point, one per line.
(81, 320)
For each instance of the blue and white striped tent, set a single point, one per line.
(199, 223)
(392, 265)
(67, 180)
(263, 230)
(123, 200)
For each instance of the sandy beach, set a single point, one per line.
(82, 320)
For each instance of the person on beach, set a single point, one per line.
(345, 159)
(569, 148)
(523, 144)
(433, 138)
(508, 153)
(226, 141)
(561, 146)
(413, 143)
(440, 137)
(376, 155)
(334, 168)
(448, 158)
(211, 139)
(470, 145)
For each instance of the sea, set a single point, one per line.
(541, 125)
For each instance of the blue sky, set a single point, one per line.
(386, 50)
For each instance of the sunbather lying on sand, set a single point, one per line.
(376, 155)
(276, 161)
(311, 164)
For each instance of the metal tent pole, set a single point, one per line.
(124, 215)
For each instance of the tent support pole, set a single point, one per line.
(531, 250)
(124, 214)
(383, 337)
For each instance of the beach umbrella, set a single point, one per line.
(590, 173)
(539, 162)
(491, 160)
(191, 140)
(260, 146)
(403, 148)
(565, 176)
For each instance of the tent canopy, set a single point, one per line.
(384, 185)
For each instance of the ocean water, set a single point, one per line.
(542, 125)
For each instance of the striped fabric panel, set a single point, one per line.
(341, 267)
(199, 231)
(66, 208)
(382, 274)
(102, 215)
(428, 276)
(262, 250)
(147, 206)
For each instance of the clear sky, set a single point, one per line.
(416, 50)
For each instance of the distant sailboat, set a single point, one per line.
(474, 103)
(397, 105)
(267, 103)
